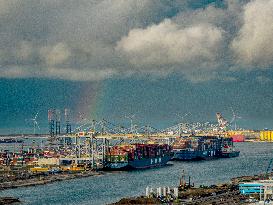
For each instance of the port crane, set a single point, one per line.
(222, 122)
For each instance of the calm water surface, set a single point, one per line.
(254, 159)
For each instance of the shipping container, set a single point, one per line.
(138, 156)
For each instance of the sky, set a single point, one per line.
(151, 58)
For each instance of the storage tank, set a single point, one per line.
(265, 135)
(268, 136)
(262, 135)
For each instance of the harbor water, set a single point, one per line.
(112, 186)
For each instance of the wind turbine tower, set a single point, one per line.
(131, 117)
(234, 119)
(35, 123)
(182, 126)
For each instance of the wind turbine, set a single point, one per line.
(182, 117)
(234, 118)
(131, 117)
(181, 121)
(35, 123)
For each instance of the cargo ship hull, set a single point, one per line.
(139, 163)
(230, 154)
(197, 148)
(10, 141)
(187, 155)
(117, 166)
(228, 150)
(238, 138)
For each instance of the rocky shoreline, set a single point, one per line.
(26, 180)
(9, 200)
(197, 197)
(225, 194)
(137, 200)
(41, 179)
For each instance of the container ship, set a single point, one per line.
(137, 156)
(197, 148)
(228, 149)
(10, 140)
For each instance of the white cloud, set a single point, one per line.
(24, 51)
(168, 44)
(13, 72)
(98, 39)
(56, 54)
(5, 6)
(253, 46)
(58, 73)
(79, 75)
(76, 37)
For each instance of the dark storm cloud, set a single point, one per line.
(93, 40)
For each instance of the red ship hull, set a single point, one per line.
(238, 138)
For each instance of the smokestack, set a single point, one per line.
(58, 122)
(67, 120)
(51, 122)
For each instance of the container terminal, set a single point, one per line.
(102, 145)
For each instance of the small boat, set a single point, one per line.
(10, 140)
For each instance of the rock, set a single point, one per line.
(137, 200)
(8, 200)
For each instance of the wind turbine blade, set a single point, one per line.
(179, 116)
(233, 113)
(37, 125)
(233, 118)
(36, 115)
(186, 114)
